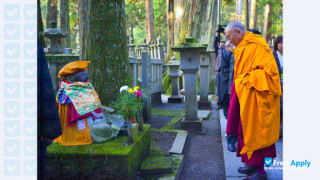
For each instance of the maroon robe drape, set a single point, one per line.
(234, 127)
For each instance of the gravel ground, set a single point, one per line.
(163, 140)
(204, 153)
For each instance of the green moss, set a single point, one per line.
(159, 162)
(170, 124)
(212, 87)
(166, 82)
(113, 159)
(176, 130)
(167, 112)
(155, 151)
(176, 162)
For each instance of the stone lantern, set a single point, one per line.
(174, 74)
(54, 38)
(189, 64)
(204, 79)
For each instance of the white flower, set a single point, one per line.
(124, 88)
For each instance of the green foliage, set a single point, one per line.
(74, 22)
(212, 87)
(136, 17)
(228, 14)
(128, 103)
(166, 84)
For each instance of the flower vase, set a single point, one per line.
(130, 133)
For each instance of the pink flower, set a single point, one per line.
(138, 93)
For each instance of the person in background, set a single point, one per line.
(217, 66)
(278, 53)
(255, 31)
(255, 107)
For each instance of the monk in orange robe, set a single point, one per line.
(255, 100)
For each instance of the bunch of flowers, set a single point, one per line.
(129, 102)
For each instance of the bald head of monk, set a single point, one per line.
(235, 32)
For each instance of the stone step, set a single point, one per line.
(178, 144)
(156, 165)
(177, 166)
(204, 114)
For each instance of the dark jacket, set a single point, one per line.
(277, 61)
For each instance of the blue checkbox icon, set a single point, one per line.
(30, 109)
(30, 148)
(12, 89)
(30, 128)
(30, 12)
(30, 51)
(30, 70)
(12, 50)
(12, 12)
(30, 31)
(11, 128)
(11, 70)
(11, 31)
(12, 167)
(12, 148)
(30, 90)
(30, 167)
(11, 109)
(268, 161)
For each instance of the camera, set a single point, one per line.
(220, 29)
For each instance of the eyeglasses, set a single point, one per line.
(228, 37)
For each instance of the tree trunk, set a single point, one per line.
(107, 48)
(170, 28)
(149, 20)
(51, 12)
(239, 10)
(65, 21)
(40, 26)
(267, 22)
(253, 15)
(219, 12)
(246, 11)
(83, 15)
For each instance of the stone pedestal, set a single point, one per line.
(174, 74)
(189, 64)
(204, 103)
(146, 81)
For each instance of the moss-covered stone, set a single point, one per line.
(112, 160)
(177, 162)
(154, 150)
(156, 165)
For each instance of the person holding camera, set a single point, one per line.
(222, 67)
